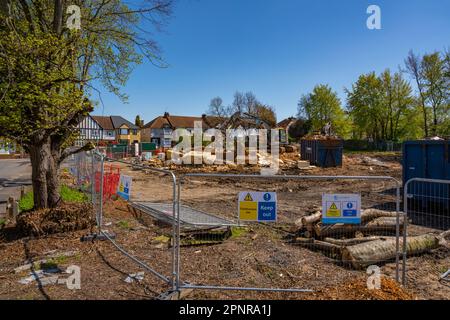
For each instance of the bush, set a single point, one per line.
(67, 195)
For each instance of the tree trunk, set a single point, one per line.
(364, 254)
(44, 176)
(52, 184)
(39, 161)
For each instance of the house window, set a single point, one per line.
(135, 131)
(167, 131)
(124, 131)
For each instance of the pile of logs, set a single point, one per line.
(371, 242)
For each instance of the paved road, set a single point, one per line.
(13, 174)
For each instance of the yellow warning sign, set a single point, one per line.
(333, 211)
(248, 210)
(248, 197)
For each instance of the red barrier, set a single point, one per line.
(111, 177)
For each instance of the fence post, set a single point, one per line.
(93, 178)
(397, 234)
(100, 213)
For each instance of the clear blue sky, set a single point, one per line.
(279, 49)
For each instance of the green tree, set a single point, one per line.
(396, 100)
(321, 106)
(47, 71)
(364, 102)
(437, 90)
(430, 74)
(138, 122)
(265, 113)
(379, 105)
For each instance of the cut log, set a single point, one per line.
(353, 241)
(371, 214)
(373, 252)
(329, 249)
(311, 219)
(349, 231)
(386, 221)
(366, 216)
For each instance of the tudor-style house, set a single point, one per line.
(106, 130)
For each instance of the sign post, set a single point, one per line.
(257, 206)
(124, 187)
(341, 208)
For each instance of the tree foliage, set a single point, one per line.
(47, 71)
(431, 77)
(380, 105)
(321, 106)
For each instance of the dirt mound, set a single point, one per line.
(357, 290)
(66, 217)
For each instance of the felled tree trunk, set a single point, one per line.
(368, 253)
(353, 241)
(371, 214)
(386, 221)
(349, 231)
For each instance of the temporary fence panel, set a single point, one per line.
(426, 257)
(218, 249)
(117, 151)
(131, 229)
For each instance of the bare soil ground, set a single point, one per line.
(258, 255)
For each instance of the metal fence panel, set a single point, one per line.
(130, 230)
(427, 206)
(195, 246)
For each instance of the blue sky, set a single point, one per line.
(278, 49)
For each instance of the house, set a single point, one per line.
(283, 127)
(126, 131)
(107, 129)
(108, 133)
(160, 129)
(89, 130)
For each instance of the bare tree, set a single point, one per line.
(250, 102)
(216, 107)
(238, 102)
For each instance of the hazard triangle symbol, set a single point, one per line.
(333, 206)
(248, 197)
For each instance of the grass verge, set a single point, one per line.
(67, 195)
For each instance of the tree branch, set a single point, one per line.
(67, 153)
